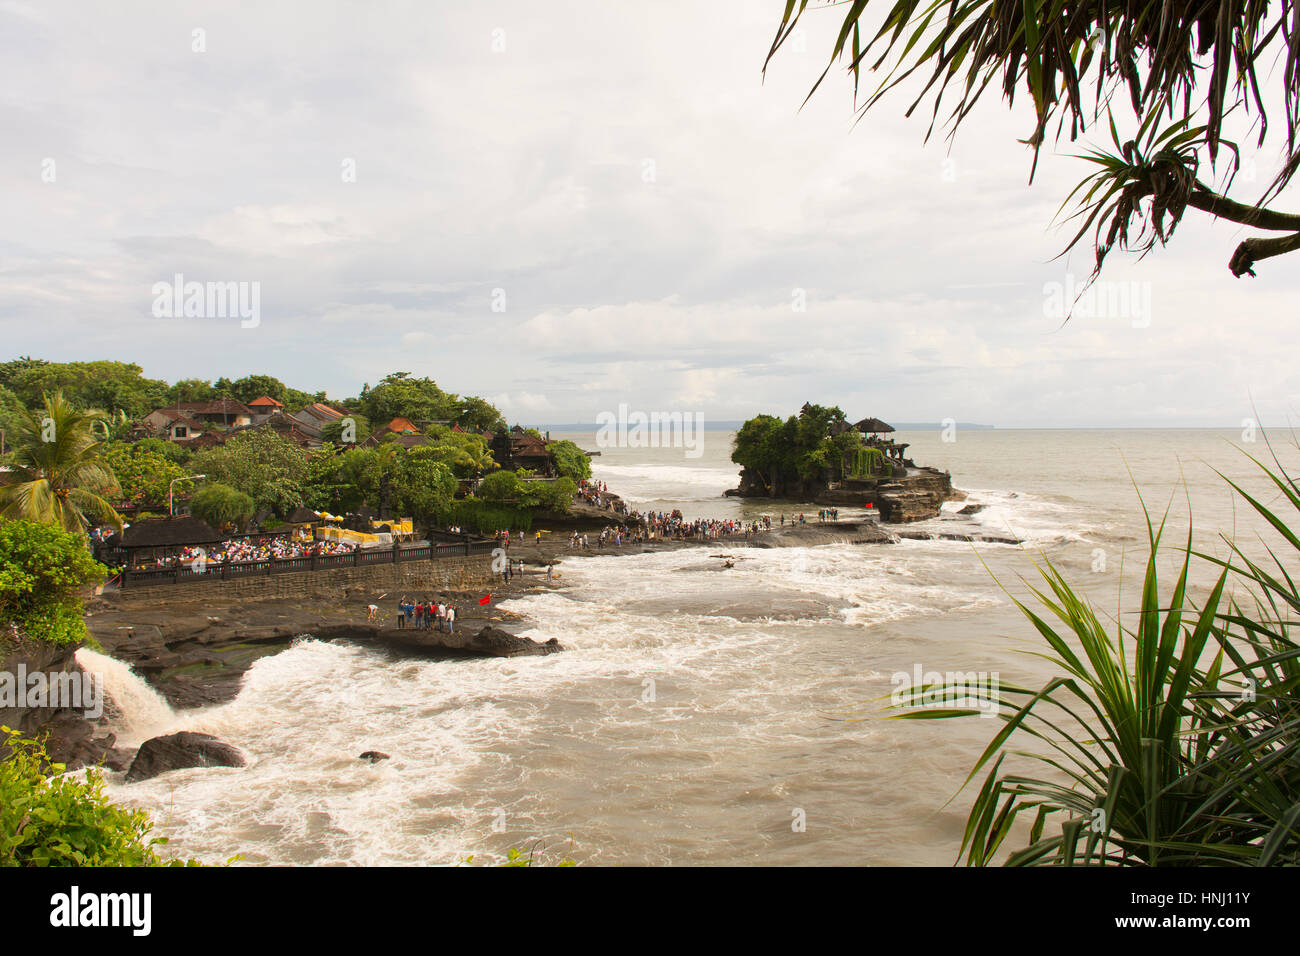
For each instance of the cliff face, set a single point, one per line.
(905, 498)
(69, 737)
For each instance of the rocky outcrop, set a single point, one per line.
(181, 751)
(913, 496)
(816, 533)
(916, 497)
(489, 641)
(373, 756)
(195, 651)
(68, 735)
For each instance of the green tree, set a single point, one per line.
(142, 474)
(480, 414)
(220, 505)
(501, 486)
(332, 432)
(554, 495)
(1153, 58)
(111, 386)
(423, 486)
(570, 460)
(59, 473)
(165, 449)
(43, 570)
(399, 395)
(251, 387)
(263, 465)
(191, 390)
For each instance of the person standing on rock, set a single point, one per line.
(451, 619)
(401, 612)
(550, 569)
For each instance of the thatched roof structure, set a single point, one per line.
(168, 533)
(301, 515)
(873, 426)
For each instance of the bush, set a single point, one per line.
(570, 460)
(42, 571)
(501, 486)
(553, 495)
(219, 505)
(66, 821)
(485, 517)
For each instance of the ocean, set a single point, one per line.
(701, 714)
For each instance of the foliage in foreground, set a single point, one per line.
(1153, 757)
(65, 821)
(1194, 63)
(42, 572)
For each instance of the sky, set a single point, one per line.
(568, 207)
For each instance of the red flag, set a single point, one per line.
(487, 598)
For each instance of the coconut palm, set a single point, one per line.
(58, 475)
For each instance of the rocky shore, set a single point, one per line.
(194, 647)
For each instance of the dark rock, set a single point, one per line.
(66, 733)
(972, 509)
(373, 756)
(490, 641)
(179, 751)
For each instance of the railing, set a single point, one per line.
(188, 572)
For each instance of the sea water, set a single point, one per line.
(702, 714)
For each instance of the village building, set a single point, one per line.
(265, 408)
(317, 415)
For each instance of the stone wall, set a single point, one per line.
(463, 572)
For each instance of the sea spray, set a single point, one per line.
(144, 713)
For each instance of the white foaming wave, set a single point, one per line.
(858, 585)
(471, 739)
(1037, 521)
(144, 712)
(639, 483)
(303, 717)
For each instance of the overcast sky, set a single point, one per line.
(646, 203)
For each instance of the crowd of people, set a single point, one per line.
(422, 615)
(596, 494)
(263, 548)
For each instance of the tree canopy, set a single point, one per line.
(801, 448)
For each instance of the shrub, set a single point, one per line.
(570, 460)
(42, 571)
(220, 505)
(63, 820)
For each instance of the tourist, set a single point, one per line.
(401, 612)
(451, 620)
(374, 612)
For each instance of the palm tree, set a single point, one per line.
(59, 477)
(1193, 63)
